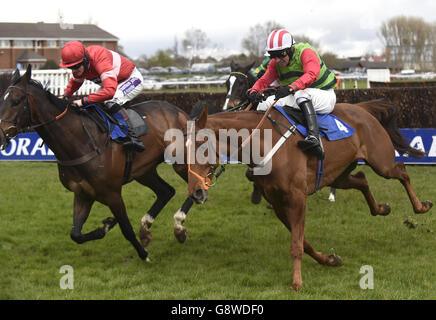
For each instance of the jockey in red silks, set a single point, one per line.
(118, 77)
(306, 83)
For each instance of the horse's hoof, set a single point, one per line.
(181, 234)
(143, 254)
(296, 286)
(256, 197)
(426, 205)
(337, 260)
(384, 209)
(109, 223)
(145, 236)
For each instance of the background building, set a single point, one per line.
(40, 43)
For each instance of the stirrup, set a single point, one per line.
(312, 146)
(308, 143)
(133, 144)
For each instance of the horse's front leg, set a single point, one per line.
(292, 213)
(82, 208)
(164, 193)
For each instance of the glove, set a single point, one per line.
(254, 97)
(283, 92)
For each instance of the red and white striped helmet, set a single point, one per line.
(278, 40)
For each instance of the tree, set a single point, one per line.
(255, 41)
(162, 58)
(331, 60)
(303, 38)
(195, 40)
(50, 64)
(409, 42)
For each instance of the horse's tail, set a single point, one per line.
(386, 113)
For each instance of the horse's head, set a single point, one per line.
(202, 158)
(238, 83)
(21, 107)
(14, 107)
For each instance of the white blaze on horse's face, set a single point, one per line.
(232, 80)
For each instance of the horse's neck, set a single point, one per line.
(239, 123)
(234, 120)
(60, 135)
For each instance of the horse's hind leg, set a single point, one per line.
(180, 232)
(399, 172)
(116, 204)
(358, 181)
(82, 207)
(164, 193)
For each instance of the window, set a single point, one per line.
(23, 43)
(50, 44)
(5, 44)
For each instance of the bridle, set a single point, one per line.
(25, 108)
(206, 181)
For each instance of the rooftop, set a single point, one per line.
(58, 31)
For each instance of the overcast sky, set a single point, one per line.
(344, 27)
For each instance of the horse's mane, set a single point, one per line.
(59, 103)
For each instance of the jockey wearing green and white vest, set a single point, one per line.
(305, 81)
(260, 70)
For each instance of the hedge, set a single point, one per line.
(416, 106)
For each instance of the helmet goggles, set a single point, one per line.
(278, 53)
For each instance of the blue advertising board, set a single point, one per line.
(30, 147)
(27, 147)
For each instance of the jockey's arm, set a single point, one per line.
(73, 85)
(311, 69)
(269, 77)
(107, 92)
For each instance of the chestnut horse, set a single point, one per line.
(91, 165)
(293, 174)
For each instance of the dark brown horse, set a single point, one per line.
(293, 173)
(237, 84)
(91, 165)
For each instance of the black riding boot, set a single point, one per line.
(133, 141)
(311, 143)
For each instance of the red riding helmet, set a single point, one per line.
(73, 53)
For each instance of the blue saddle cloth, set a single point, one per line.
(329, 125)
(115, 130)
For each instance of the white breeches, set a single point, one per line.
(323, 101)
(129, 88)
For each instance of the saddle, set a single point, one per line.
(330, 126)
(115, 123)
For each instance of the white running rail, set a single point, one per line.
(56, 81)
